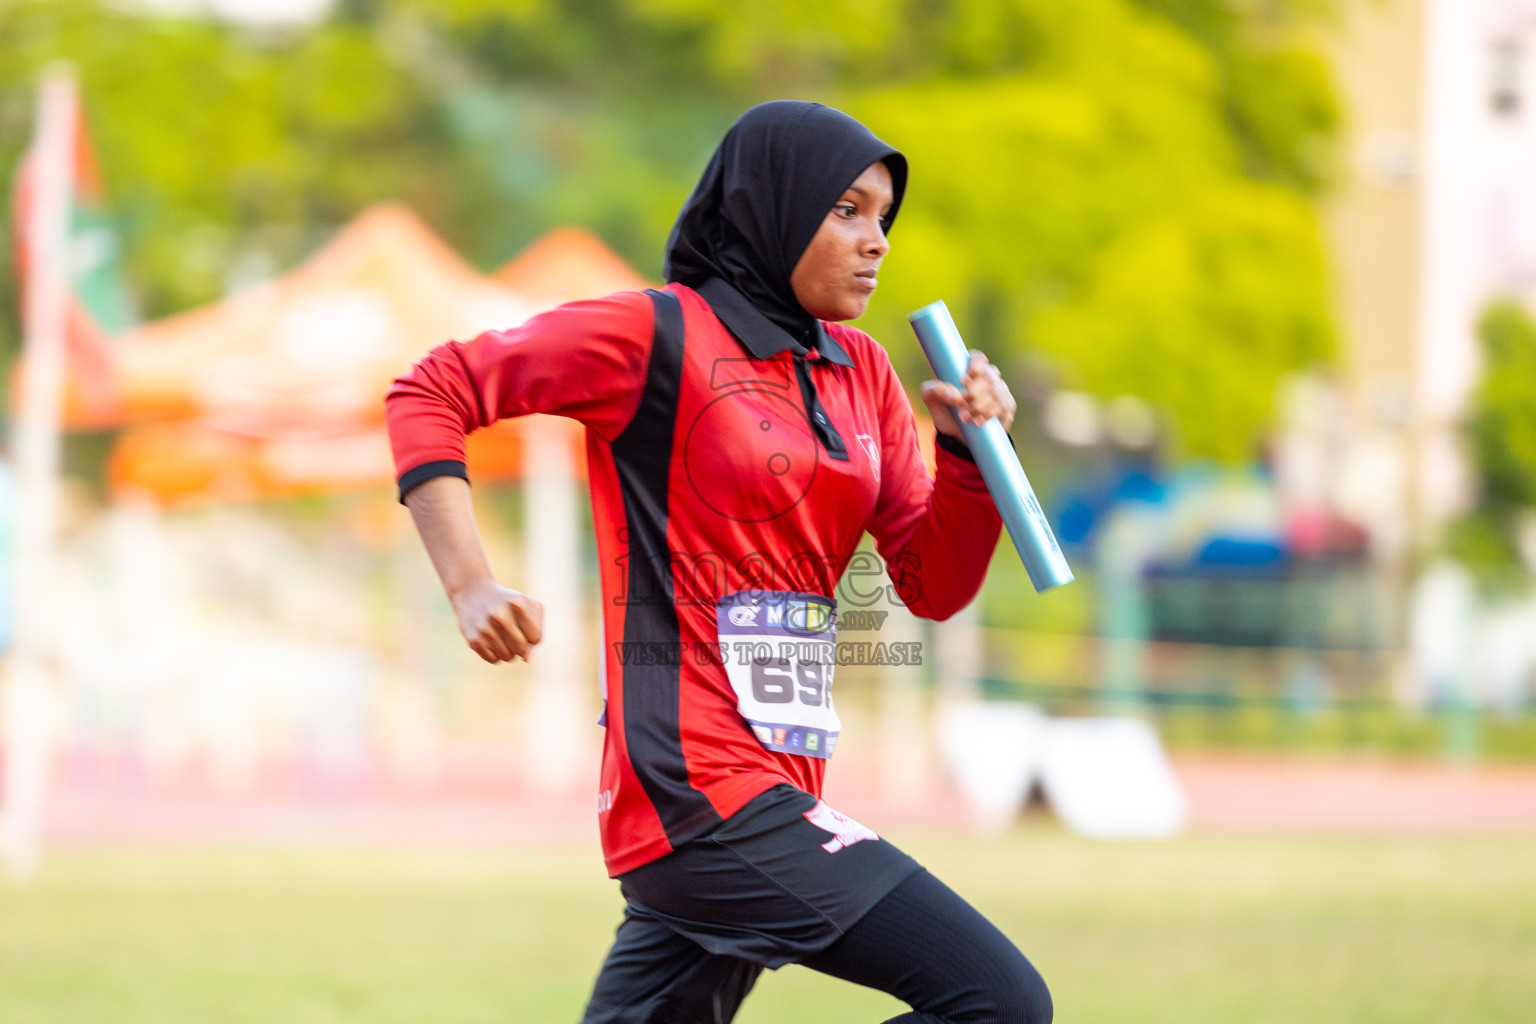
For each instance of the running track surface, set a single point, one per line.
(1226, 792)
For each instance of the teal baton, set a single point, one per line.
(994, 455)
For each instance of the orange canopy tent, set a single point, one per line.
(278, 390)
(320, 344)
(568, 264)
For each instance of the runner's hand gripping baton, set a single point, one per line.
(994, 455)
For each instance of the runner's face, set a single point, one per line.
(837, 272)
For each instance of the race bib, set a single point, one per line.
(779, 648)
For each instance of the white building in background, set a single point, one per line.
(1478, 198)
(1435, 217)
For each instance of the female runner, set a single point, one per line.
(740, 441)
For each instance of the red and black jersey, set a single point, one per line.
(718, 463)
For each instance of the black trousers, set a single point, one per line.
(921, 943)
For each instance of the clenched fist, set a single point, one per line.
(499, 624)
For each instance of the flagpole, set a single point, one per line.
(28, 695)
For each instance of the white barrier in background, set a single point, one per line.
(1107, 778)
(993, 751)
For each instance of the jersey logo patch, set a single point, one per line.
(872, 449)
(845, 831)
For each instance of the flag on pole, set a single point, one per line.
(98, 304)
(29, 695)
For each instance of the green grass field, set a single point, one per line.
(1205, 929)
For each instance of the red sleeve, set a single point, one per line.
(936, 534)
(585, 360)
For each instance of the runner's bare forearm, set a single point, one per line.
(498, 623)
(445, 518)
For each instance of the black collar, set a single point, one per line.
(759, 335)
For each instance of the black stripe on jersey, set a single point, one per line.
(642, 456)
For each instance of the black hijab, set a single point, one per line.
(764, 195)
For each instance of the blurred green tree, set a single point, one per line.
(1123, 188)
(1096, 206)
(213, 138)
(1501, 440)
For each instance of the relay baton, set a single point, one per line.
(994, 455)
